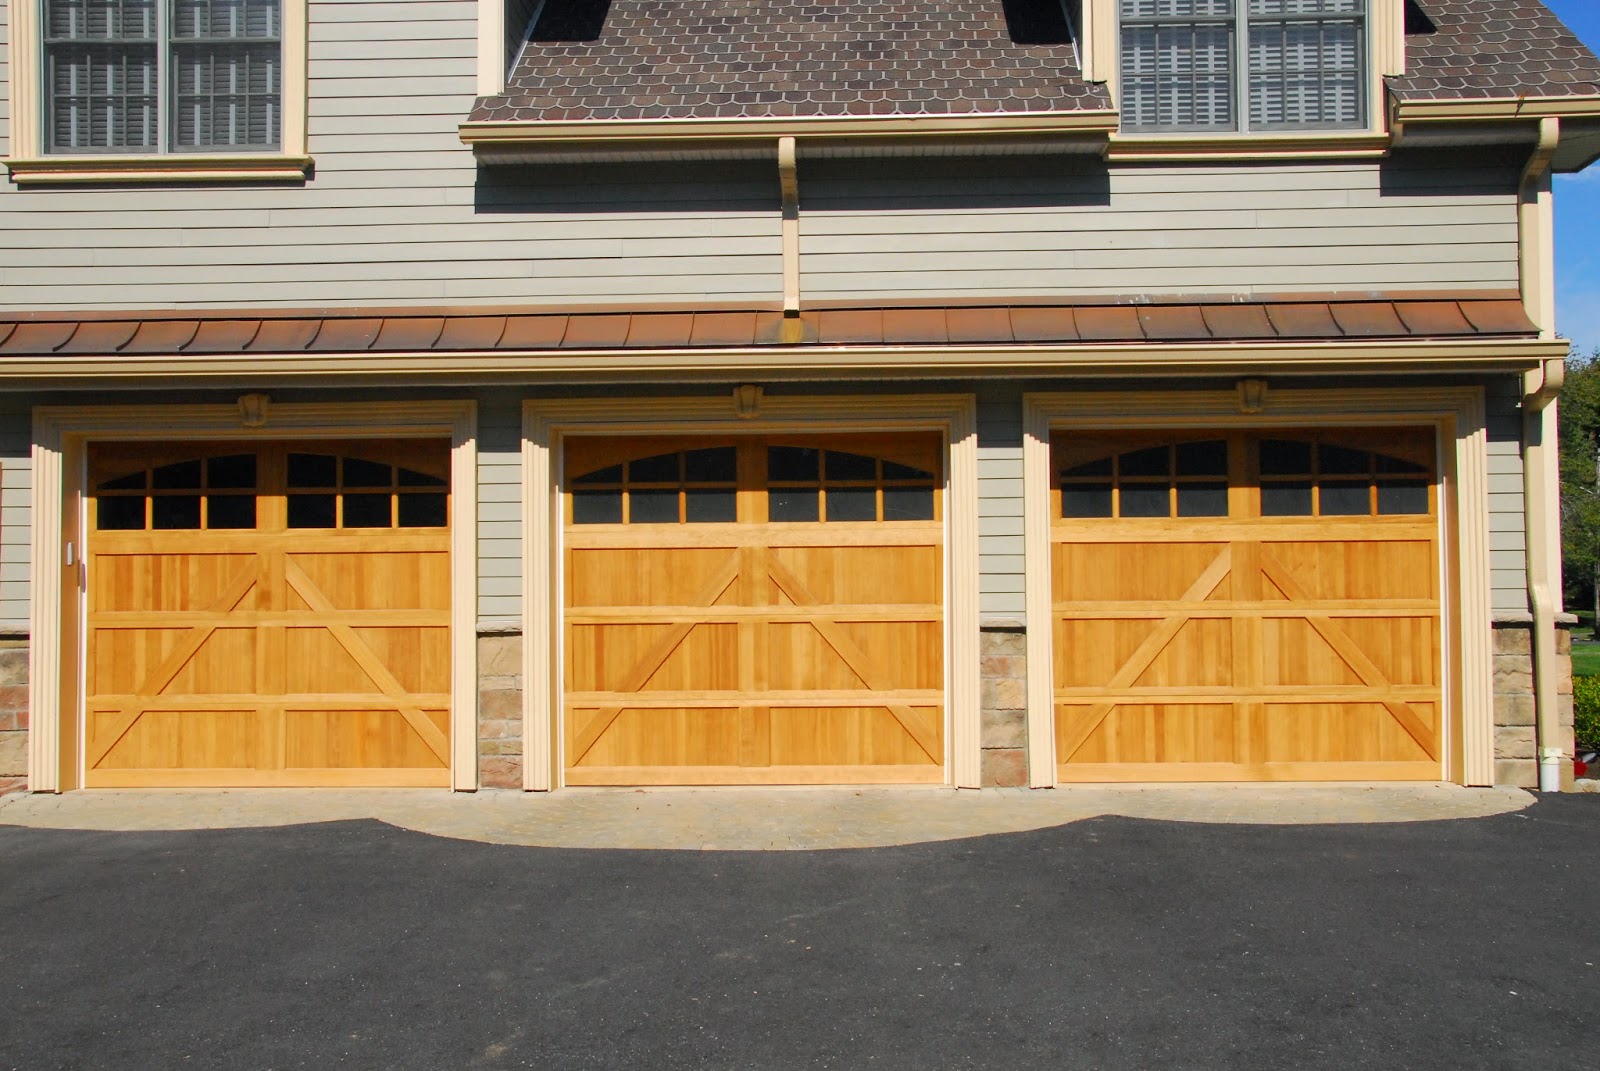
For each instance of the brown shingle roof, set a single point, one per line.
(1492, 48)
(530, 331)
(675, 59)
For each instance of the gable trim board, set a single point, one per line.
(1458, 414)
(545, 424)
(60, 439)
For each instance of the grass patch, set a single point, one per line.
(1586, 660)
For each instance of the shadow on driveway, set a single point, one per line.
(1109, 943)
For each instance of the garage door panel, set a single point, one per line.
(643, 576)
(224, 664)
(176, 739)
(374, 579)
(359, 739)
(821, 736)
(1337, 732)
(1299, 639)
(1131, 572)
(123, 582)
(268, 643)
(805, 646)
(663, 736)
(1378, 570)
(863, 575)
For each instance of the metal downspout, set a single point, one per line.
(1540, 389)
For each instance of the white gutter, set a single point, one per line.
(1540, 390)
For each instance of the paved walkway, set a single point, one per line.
(754, 819)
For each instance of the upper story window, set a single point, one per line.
(153, 76)
(1243, 65)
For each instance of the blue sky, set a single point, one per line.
(1578, 216)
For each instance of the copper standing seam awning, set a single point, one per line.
(484, 330)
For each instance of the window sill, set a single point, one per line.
(162, 169)
(1189, 147)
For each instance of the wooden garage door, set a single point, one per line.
(268, 615)
(754, 610)
(1259, 606)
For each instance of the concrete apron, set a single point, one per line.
(756, 819)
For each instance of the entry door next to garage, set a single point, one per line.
(268, 614)
(754, 610)
(1246, 606)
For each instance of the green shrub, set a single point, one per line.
(1586, 709)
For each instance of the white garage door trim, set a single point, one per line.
(60, 438)
(746, 410)
(1458, 413)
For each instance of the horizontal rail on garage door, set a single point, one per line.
(731, 698)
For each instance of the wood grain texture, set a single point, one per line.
(268, 656)
(750, 652)
(1242, 648)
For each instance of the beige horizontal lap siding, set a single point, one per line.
(1508, 556)
(16, 490)
(1068, 226)
(500, 510)
(1000, 589)
(397, 211)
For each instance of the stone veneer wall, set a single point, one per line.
(500, 710)
(1516, 749)
(13, 714)
(1005, 700)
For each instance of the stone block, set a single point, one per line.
(1514, 710)
(500, 773)
(13, 666)
(1004, 666)
(500, 748)
(1002, 643)
(1517, 773)
(14, 697)
(1004, 694)
(13, 784)
(1563, 642)
(1515, 742)
(13, 753)
(499, 656)
(499, 729)
(1512, 675)
(1564, 676)
(1564, 711)
(1005, 728)
(1513, 641)
(1005, 767)
(500, 704)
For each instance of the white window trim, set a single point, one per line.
(30, 164)
(1386, 40)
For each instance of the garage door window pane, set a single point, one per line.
(313, 470)
(653, 506)
(792, 505)
(175, 512)
(1203, 459)
(597, 507)
(1154, 462)
(235, 470)
(709, 505)
(794, 464)
(424, 511)
(1148, 500)
(1093, 500)
(907, 503)
(366, 511)
(183, 475)
(360, 473)
(1403, 497)
(412, 478)
(1203, 500)
(841, 466)
(230, 511)
(1345, 500)
(313, 511)
(120, 514)
(663, 468)
(718, 465)
(852, 503)
(1286, 499)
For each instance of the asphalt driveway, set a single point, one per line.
(1110, 943)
